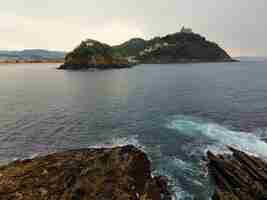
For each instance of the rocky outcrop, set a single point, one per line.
(239, 176)
(93, 54)
(120, 173)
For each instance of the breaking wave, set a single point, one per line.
(120, 141)
(204, 136)
(218, 137)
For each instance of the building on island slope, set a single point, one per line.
(186, 30)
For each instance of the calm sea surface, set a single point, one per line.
(173, 112)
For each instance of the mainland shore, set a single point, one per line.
(29, 61)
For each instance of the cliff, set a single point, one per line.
(238, 176)
(93, 54)
(120, 173)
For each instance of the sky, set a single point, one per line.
(239, 26)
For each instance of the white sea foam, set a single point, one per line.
(120, 141)
(209, 136)
(184, 166)
(178, 193)
(34, 155)
(182, 195)
(219, 136)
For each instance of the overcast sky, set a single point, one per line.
(239, 26)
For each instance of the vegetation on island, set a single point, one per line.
(93, 54)
(180, 47)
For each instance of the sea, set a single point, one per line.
(175, 113)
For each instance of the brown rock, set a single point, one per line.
(238, 177)
(157, 189)
(120, 173)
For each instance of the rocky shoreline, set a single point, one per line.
(192, 61)
(119, 173)
(122, 173)
(66, 66)
(239, 176)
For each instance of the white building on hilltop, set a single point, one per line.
(186, 30)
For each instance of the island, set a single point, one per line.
(184, 46)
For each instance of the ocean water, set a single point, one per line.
(175, 113)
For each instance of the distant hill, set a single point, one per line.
(32, 54)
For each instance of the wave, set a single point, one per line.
(119, 142)
(187, 171)
(203, 136)
(218, 137)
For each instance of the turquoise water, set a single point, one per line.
(173, 112)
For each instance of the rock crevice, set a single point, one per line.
(239, 176)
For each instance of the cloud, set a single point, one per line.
(61, 33)
(60, 24)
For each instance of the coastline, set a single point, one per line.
(65, 66)
(129, 66)
(106, 67)
(124, 172)
(30, 61)
(192, 62)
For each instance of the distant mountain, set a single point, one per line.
(32, 54)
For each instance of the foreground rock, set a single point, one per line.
(238, 177)
(93, 54)
(103, 174)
